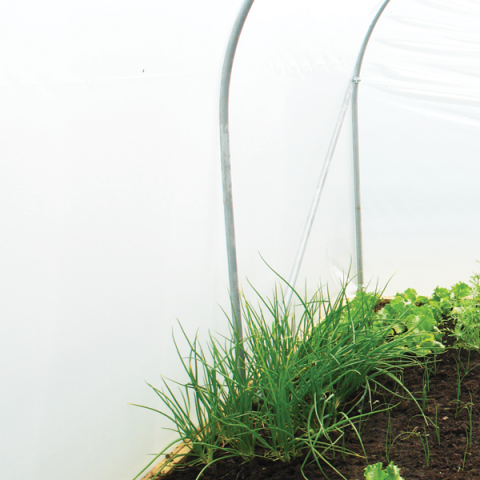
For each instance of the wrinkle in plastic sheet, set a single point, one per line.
(432, 49)
(426, 64)
(426, 90)
(434, 26)
(419, 131)
(456, 6)
(437, 97)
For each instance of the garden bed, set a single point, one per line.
(358, 387)
(453, 459)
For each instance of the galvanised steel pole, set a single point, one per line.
(227, 177)
(356, 151)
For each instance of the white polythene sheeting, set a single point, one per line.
(111, 205)
(419, 130)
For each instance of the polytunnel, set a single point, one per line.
(112, 204)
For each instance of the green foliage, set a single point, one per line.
(295, 394)
(460, 290)
(467, 325)
(412, 319)
(375, 472)
(462, 304)
(444, 300)
(466, 316)
(421, 316)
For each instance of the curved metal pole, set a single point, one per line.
(356, 151)
(226, 172)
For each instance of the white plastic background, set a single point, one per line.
(111, 208)
(420, 145)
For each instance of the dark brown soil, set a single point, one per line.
(453, 459)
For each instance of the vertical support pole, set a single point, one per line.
(356, 149)
(227, 178)
(356, 184)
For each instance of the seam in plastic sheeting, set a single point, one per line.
(441, 4)
(142, 78)
(436, 78)
(431, 49)
(436, 27)
(410, 86)
(440, 111)
(430, 96)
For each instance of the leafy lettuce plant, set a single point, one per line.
(466, 314)
(375, 472)
(412, 318)
(462, 304)
(416, 318)
(443, 300)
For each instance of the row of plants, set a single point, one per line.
(423, 316)
(446, 391)
(284, 392)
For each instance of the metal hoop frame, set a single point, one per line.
(352, 93)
